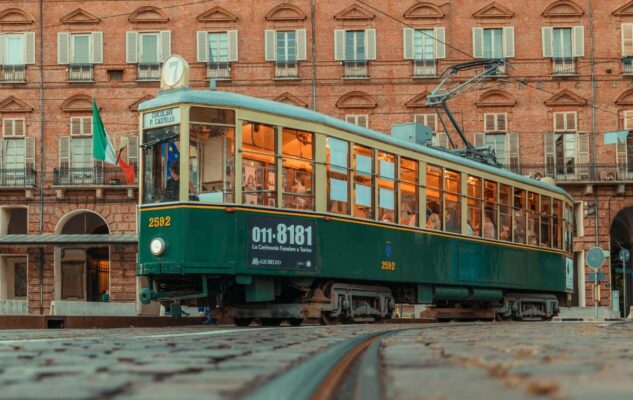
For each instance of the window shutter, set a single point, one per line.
(512, 151)
(97, 47)
(583, 152)
(29, 153)
(578, 47)
(1, 44)
(362, 120)
(549, 152)
(440, 43)
(29, 42)
(478, 42)
(62, 47)
(370, 44)
(571, 121)
(270, 45)
(339, 44)
(628, 120)
(165, 45)
(508, 42)
(489, 122)
(202, 41)
(547, 33)
(75, 126)
(559, 121)
(1, 153)
(233, 52)
(502, 124)
(442, 140)
(64, 152)
(627, 39)
(18, 127)
(132, 149)
(620, 155)
(479, 139)
(131, 47)
(300, 34)
(407, 43)
(350, 118)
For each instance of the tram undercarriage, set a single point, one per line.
(330, 302)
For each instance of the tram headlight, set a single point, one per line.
(157, 246)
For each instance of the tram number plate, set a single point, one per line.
(281, 243)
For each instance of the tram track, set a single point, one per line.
(350, 369)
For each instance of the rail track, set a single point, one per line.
(350, 370)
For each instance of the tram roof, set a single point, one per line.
(228, 99)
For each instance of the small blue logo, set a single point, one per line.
(388, 249)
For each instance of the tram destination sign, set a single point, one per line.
(281, 243)
(155, 119)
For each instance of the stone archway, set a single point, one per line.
(622, 237)
(82, 274)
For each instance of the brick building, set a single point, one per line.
(370, 62)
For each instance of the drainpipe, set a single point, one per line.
(313, 20)
(593, 116)
(42, 161)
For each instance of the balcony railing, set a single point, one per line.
(355, 69)
(13, 73)
(80, 72)
(148, 72)
(578, 173)
(17, 177)
(563, 66)
(219, 70)
(286, 69)
(96, 176)
(627, 65)
(424, 68)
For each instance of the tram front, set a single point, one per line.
(187, 175)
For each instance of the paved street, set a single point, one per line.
(431, 361)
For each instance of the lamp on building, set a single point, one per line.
(620, 190)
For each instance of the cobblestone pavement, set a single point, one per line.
(431, 361)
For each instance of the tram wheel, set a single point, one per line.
(295, 321)
(327, 320)
(242, 321)
(271, 321)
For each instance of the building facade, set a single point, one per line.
(568, 81)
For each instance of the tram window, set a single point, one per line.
(162, 169)
(408, 192)
(546, 221)
(337, 175)
(434, 198)
(505, 212)
(387, 187)
(212, 163)
(569, 228)
(298, 169)
(556, 224)
(533, 219)
(519, 215)
(490, 210)
(473, 185)
(452, 201)
(363, 182)
(259, 179)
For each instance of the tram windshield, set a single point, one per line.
(161, 181)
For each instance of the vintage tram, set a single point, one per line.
(275, 212)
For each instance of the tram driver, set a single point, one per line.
(172, 187)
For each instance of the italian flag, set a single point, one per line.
(102, 148)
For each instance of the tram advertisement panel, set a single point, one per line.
(281, 243)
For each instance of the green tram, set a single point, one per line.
(275, 212)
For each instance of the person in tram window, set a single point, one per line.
(299, 188)
(469, 228)
(172, 187)
(387, 217)
(433, 220)
(504, 234)
(490, 231)
(452, 224)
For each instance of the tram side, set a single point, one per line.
(323, 221)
